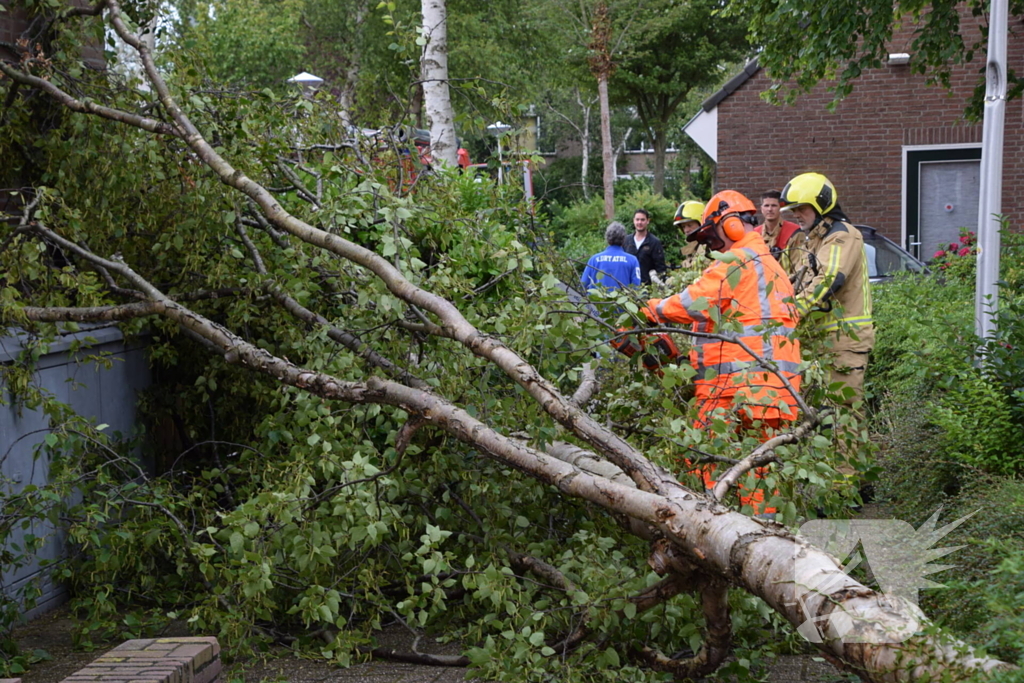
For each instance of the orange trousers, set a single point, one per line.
(771, 420)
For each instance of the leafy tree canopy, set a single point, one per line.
(806, 42)
(675, 47)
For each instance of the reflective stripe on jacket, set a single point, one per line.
(748, 300)
(836, 281)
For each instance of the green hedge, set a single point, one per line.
(951, 436)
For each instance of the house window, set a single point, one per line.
(942, 187)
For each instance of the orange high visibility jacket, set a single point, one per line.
(751, 300)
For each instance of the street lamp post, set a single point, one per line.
(986, 293)
(498, 129)
(308, 82)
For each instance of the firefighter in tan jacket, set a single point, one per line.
(831, 275)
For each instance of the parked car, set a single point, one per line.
(885, 257)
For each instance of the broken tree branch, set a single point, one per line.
(765, 453)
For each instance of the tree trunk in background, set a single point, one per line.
(347, 96)
(434, 73)
(659, 139)
(622, 146)
(585, 144)
(601, 66)
(606, 148)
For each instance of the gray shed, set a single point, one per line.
(106, 395)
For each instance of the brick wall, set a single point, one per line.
(859, 146)
(14, 21)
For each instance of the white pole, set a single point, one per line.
(986, 297)
(501, 164)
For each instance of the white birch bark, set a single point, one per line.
(585, 143)
(434, 73)
(621, 147)
(606, 147)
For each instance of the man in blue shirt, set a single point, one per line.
(613, 267)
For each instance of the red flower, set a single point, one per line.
(953, 246)
(967, 239)
(939, 254)
(964, 252)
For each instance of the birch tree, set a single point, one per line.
(434, 73)
(602, 67)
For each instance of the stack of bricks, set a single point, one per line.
(157, 660)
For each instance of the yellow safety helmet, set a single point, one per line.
(812, 189)
(689, 211)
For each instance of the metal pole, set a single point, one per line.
(501, 164)
(986, 296)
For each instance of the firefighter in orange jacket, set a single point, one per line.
(750, 296)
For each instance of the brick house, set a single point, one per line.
(900, 153)
(15, 24)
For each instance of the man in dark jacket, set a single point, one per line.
(646, 247)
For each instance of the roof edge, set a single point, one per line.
(732, 85)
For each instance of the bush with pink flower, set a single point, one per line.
(956, 259)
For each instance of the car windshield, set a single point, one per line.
(886, 259)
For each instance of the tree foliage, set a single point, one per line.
(676, 48)
(806, 42)
(262, 39)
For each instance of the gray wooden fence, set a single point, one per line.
(106, 394)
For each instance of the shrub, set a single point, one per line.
(558, 184)
(917, 342)
(956, 260)
(925, 356)
(950, 432)
(979, 424)
(981, 596)
(578, 229)
(1003, 628)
